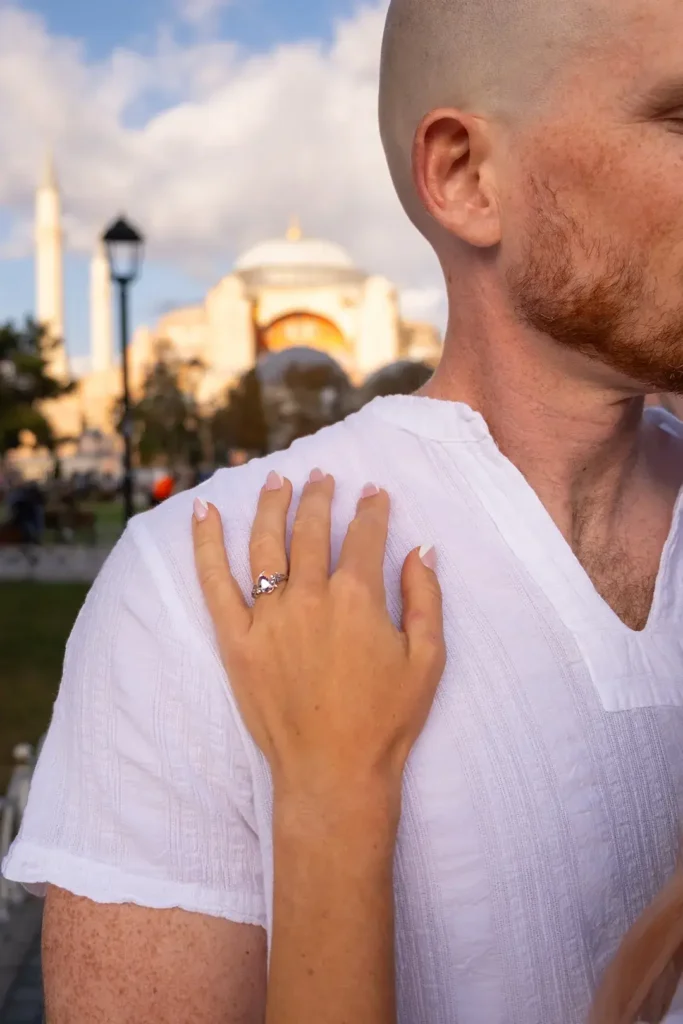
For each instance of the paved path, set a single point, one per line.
(24, 1002)
(21, 990)
(57, 563)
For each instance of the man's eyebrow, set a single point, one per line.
(664, 96)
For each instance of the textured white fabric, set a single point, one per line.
(542, 804)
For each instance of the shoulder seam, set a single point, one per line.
(160, 575)
(167, 591)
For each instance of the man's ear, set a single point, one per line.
(454, 176)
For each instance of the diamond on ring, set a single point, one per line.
(266, 584)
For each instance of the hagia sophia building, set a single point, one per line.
(287, 292)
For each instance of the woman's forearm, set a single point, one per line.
(332, 958)
(335, 723)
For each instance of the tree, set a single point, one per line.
(402, 378)
(318, 394)
(167, 418)
(289, 394)
(241, 422)
(25, 383)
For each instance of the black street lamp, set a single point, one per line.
(124, 250)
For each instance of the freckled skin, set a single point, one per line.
(560, 236)
(592, 258)
(593, 254)
(108, 964)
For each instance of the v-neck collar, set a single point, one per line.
(519, 513)
(531, 534)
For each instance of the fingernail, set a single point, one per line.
(274, 481)
(316, 476)
(369, 491)
(200, 509)
(428, 556)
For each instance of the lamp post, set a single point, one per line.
(124, 250)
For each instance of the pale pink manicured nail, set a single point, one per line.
(428, 556)
(274, 481)
(200, 509)
(369, 491)
(316, 476)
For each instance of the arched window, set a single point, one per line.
(301, 329)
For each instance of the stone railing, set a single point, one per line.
(12, 807)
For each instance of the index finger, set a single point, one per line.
(224, 599)
(364, 547)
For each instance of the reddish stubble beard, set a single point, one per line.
(591, 296)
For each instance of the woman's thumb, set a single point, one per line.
(422, 604)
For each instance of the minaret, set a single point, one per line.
(101, 349)
(49, 269)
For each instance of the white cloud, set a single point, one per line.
(208, 147)
(200, 12)
(424, 304)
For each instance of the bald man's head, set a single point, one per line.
(538, 145)
(488, 57)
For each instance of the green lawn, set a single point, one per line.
(109, 519)
(35, 621)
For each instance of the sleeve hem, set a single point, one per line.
(35, 867)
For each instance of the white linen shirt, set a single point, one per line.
(542, 805)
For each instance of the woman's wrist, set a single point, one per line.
(333, 902)
(364, 814)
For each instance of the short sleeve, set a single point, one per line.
(143, 790)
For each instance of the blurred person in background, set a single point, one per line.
(538, 148)
(162, 488)
(27, 505)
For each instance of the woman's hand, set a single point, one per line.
(335, 696)
(331, 691)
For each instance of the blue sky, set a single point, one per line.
(210, 122)
(254, 23)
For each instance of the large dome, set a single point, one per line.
(306, 252)
(295, 259)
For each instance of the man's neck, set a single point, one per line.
(577, 439)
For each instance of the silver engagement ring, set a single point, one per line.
(266, 584)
